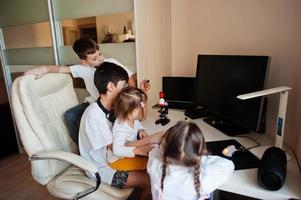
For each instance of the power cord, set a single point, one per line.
(295, 155)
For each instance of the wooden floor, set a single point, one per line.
(16, 182)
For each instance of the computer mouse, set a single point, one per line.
(229, 150)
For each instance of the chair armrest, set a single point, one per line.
(75, 160)
(68, 157)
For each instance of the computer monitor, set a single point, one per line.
(179, 91)
(220, 78)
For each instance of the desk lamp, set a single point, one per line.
(281, 112)
(272, 170)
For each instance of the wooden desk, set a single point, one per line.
(242, 182)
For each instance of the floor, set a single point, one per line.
(16, 182)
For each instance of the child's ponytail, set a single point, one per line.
(163, 172)
(197, 184)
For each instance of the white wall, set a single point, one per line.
(260, 27)
(153, 43)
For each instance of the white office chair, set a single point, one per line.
(38, 107)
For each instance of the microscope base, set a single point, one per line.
(162, 121)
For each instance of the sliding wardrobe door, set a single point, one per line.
(36, 33)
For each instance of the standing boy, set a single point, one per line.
(90, 58)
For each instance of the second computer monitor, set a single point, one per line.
(179, 91)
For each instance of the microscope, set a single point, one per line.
(163, 120)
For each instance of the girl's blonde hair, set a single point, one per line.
(184, 143)
(127, 100)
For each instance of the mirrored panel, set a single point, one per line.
(27, 36)
(113, 28)
(18, 12)
(73, 9)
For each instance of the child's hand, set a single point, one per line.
(142, 134)
(37, 72)
(110, 147)
(156, 137)
(145, 86)
(143, 151)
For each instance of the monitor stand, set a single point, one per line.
(227, 127)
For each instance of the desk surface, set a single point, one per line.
(242, 182)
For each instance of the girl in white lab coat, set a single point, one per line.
(180, 169)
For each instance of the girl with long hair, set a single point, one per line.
(181, 169)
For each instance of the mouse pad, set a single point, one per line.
(242, 159)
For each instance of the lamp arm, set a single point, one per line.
(264, 92)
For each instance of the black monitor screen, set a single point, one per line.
(178, 89)
(221, 78)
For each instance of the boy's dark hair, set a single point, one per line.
(108, 72)
(84, 46)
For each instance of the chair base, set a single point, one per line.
(73, 180)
